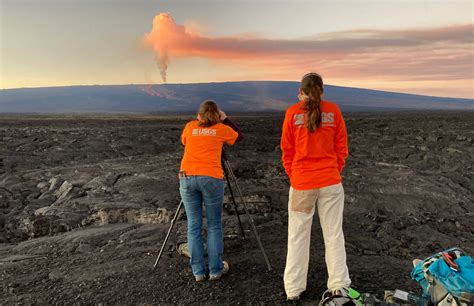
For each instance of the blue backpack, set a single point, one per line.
(447, 278)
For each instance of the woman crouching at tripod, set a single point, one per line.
(201, 180)
(314, 149)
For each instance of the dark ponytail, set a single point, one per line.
(312, 87)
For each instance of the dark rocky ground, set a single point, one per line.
(85, 203)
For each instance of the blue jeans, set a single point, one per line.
(194, 191)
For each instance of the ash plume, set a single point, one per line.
(437, 55)
(163, 33)
(162, 62)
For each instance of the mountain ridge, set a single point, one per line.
(245, 96)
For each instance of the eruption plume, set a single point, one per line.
(162, 61)
(427, 55)
(163, 33)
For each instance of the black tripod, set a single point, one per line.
(230, 176)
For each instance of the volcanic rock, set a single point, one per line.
(86, 202)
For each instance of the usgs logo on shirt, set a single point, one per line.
(204, 132)
(327, 119)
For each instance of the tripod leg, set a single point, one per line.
(235, 203)
(254, 229)
(168, 234)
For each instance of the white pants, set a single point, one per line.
(301, 206)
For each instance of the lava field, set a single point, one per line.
(86, 201)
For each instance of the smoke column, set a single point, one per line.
(163, 33)
(162, 61)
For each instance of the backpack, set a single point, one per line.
(344, 297)
(447, 278)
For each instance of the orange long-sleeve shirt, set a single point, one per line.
(203, 147)
(314, 160)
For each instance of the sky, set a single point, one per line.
(414, 46)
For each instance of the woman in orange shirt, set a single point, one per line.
(201, 181)
(314, 149)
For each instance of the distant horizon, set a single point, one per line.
(222, 82)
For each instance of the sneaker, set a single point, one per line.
(225, 270)
(200, 278)
(292, 297)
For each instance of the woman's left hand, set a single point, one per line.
(222, 115)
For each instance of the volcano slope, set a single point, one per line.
(86, 202)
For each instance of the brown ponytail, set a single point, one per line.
(209, 113)
(312, 87)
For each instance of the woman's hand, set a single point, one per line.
(222, 115)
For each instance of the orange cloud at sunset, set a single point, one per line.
(361, 56)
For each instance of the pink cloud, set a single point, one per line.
(442, 53)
